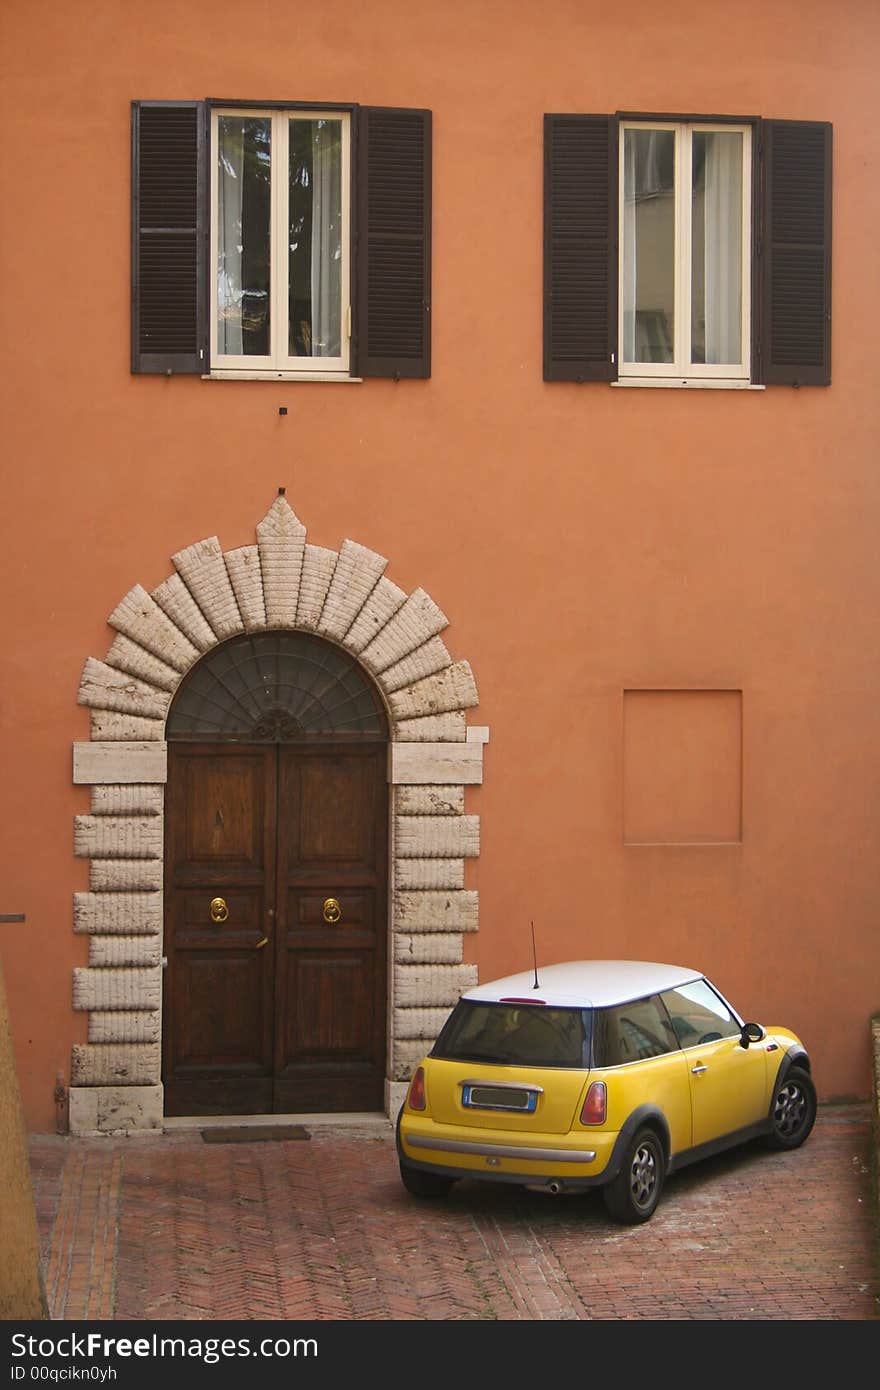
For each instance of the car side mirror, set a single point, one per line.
(751, 1032)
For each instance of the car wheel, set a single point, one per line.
(633, 1195)
(794, 1110)
(421, 1184)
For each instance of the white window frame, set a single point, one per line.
(681, 371)
(278, 363)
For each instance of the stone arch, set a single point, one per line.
(280, 582)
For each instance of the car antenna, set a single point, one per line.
(535, 958)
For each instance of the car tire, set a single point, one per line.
(421, 1184)
(794, 1110)
(633, 1195)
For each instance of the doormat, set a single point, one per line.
(253, 1134)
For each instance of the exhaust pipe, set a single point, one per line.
(554, 1188)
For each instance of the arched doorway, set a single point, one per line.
(276, 858)
(342, 601)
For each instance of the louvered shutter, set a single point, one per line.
(392, 327)
(796, 236)
(580, 248)
(168, 316)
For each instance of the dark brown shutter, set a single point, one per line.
(393, 330)
(580, 248)
(168, 316)
(796, 250)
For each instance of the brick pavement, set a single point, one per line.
(169, 1227)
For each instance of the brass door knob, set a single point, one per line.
(332, 911)
(219, 910)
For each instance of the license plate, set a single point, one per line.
(499, 1098)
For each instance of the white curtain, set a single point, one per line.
(230, 183)
(629, 247)
(326, 239)
(723, 247)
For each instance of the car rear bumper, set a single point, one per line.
(565, 1161)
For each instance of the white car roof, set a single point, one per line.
(596, 983)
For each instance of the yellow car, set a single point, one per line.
(597, 1073)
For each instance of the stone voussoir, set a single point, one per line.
(203, 571)
(317, 571)
(246, 578)
(451, 689)
(126, 655)
(108, 726)
(281, 539)
(384, 601)
(357, 572)
(102, 687)
(418, 620)
(141, 618)
(178, 604)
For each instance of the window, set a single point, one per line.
(633, 1031)
(684, 266)
(521, 1035)
(685, 251)
(699, 1015)
(280, 240)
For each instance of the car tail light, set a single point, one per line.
(416, 1098)
(596, 1105)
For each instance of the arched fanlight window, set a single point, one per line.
(276, 687)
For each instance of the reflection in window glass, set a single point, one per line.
(243, 235)
(315, 238)
(521, 1035)
(649, 246)
(632, 1031)
(698, 1015)
(716, 285)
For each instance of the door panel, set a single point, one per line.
(279, 1005)
(728, 1088)
(219, 985)
(331, 988)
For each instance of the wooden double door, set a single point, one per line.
(275, 928)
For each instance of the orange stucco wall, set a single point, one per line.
(583, 540)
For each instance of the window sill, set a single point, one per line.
(693, 383)
(235, 375)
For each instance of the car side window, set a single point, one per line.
(698, 1015)
(633, 1031)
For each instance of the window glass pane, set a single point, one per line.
(243, 234)
(698, 1015)
(631, 1031)
(518, 1034)
(648, 245)
(716, 285)
(315, 238)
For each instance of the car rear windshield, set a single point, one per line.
(528, 1035)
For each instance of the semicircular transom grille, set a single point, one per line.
(276, 687)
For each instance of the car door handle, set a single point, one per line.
(695, 1071)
